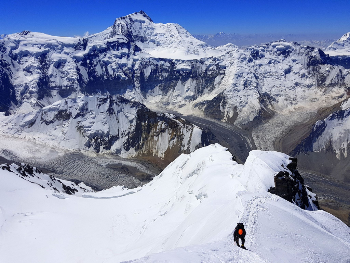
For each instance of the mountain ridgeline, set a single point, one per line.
(163, 64)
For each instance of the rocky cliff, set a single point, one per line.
(108, 124)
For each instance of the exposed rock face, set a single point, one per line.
(330, 134)
(290, 186)
(35, 176)
(7, 90)
(109, 124)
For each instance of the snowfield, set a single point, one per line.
(186, 214)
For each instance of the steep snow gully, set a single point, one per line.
(186, 214)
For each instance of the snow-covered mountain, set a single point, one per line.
(97, 93)
(187, 213)
(56, 67)
(333, 133)
(156, 39)
(341, 47)
(162, 65)
(107, 124)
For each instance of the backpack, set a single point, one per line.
(240, 228)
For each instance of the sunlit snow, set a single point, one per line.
(188, 212)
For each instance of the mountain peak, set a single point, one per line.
(345, 37)
(341, 47)
(138, 16)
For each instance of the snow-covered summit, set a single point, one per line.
(345, 37)
(156, 39)
(341, 47)
(141, 15)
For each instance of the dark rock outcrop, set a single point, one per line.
(290, 186)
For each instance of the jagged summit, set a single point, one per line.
(136, 32)
(159, 40)
(141, 16)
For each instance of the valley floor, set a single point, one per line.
(333, 195)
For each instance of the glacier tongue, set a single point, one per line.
(192, 207)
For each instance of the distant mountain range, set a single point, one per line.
(243, 40)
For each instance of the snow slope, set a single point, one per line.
(341, 47)
(33, 175)
(188, 212)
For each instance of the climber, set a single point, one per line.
(239, 233)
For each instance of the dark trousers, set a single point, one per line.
(237, 240)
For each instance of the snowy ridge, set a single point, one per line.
(188, 212)
(105, 124)
(33, 175)
(341, 47)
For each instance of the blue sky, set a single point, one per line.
(75, 17)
